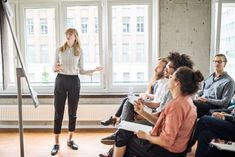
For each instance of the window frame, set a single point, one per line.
(41, 88)
(88, 88)
(153, 8)
(105, 44)
(216, 28)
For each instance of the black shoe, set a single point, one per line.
(55, 149)
(110, 140)
(109, 154)
(110, 121)
(72, 145)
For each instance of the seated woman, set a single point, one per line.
(172, 130)
(149, 94)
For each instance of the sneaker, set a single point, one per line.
(55, 149)
(110, 140)
(72, 145)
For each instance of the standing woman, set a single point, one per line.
(68, 64)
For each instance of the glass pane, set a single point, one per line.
(85, 20)
(227, 37)
(40, 41)
(130, 36)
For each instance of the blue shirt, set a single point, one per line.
(218, 91)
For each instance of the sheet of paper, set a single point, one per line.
(135, 127)
(148, 110)
(221, 146)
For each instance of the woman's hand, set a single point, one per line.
(144, 96)
(219, 115)
(141, 134)
(58, 67)
(139, 107)
(138, 117)
(201, 99)
(98, 68)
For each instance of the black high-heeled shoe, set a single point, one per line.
(110, 121)
(109, 154)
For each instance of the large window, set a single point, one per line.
(130, 56)
(116, 34)
(86, 21)
(40, 46)
(225, 32)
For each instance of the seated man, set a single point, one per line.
(153, 85)
(217, 89)
(219, 125)
(128, 114)
(175, 60)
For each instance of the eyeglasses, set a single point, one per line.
(170, 66)
(218, 61)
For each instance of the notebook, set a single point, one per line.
(132, 99)
(221, 146)
(135, 127)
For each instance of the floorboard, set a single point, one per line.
(39, 144)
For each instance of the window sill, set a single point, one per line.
(121, 95)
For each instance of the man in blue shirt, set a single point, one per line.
(217, 89)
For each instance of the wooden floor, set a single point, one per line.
(39, 144)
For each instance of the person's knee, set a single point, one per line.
(122, 137)
(72, 117)
(204, 120)
(205, 137)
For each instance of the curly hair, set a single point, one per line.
(179, 60)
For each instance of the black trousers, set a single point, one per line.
(204, 108)
(119, 111)
(66, 86)
(209, 128)
(139, 147)
(214, 152)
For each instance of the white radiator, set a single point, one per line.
(94, 112)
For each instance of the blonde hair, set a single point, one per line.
(76, 45)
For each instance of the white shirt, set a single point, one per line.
(161, 90)
(71, 64)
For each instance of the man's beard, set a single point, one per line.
(159, 75)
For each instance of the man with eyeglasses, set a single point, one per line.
(217, 89)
